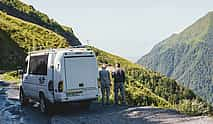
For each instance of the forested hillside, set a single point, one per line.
(187, 57)
(17, 37)
(28, 13)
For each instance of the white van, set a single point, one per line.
(59, 75)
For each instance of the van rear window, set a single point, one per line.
(38, 65)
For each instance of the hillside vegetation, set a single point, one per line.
(187, 57)
(17, 37)
(145, 87)
(28, 13)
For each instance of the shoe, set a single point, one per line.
(102, 104)
(124, 103)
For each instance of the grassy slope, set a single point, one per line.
(26, 12)
(195, 33)
(145, 87)
(9, 52)
(19, 37)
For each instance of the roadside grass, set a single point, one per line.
(11, 77)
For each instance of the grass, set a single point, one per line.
(26, 12)
(11, 77)
(19, 37)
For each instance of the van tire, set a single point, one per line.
(22, 98)
(44, 104)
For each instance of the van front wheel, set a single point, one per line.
(23, 100)
(43, 104)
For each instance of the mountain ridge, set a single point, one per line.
(187, 57)
(25, 37)
(26, 12)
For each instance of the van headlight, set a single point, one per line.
(60, 86)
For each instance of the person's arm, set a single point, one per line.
(99, 75)
(124, 75)
(113, 74)
(109, 75)
(109, 78)
(99, 79)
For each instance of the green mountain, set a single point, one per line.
(187, 57)
(143, 87)
(26, 12)
(17, 37)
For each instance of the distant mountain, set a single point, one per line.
(26, 12)
(187, 57)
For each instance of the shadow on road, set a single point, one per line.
(12, 113)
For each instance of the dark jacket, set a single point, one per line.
(104, 76)
(119, 75)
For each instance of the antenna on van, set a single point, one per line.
(87, 42)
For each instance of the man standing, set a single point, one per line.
(105, 83)
(119, 79)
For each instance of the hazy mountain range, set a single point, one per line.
(187, 57)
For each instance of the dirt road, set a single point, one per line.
(12, 113)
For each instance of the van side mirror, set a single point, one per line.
(20, 71)
(52, 66)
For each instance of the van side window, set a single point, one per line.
(38, 65)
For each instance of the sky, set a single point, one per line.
(128, 28)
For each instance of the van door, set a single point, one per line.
(81, 72)
(37, 74)
(25, 83)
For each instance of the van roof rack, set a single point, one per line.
(79, 46)
(55, 49)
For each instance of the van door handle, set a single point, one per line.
(81, 85)
(41, 80)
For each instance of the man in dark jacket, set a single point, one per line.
(119, 79)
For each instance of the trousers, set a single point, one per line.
(119, 86)
(105, 91)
